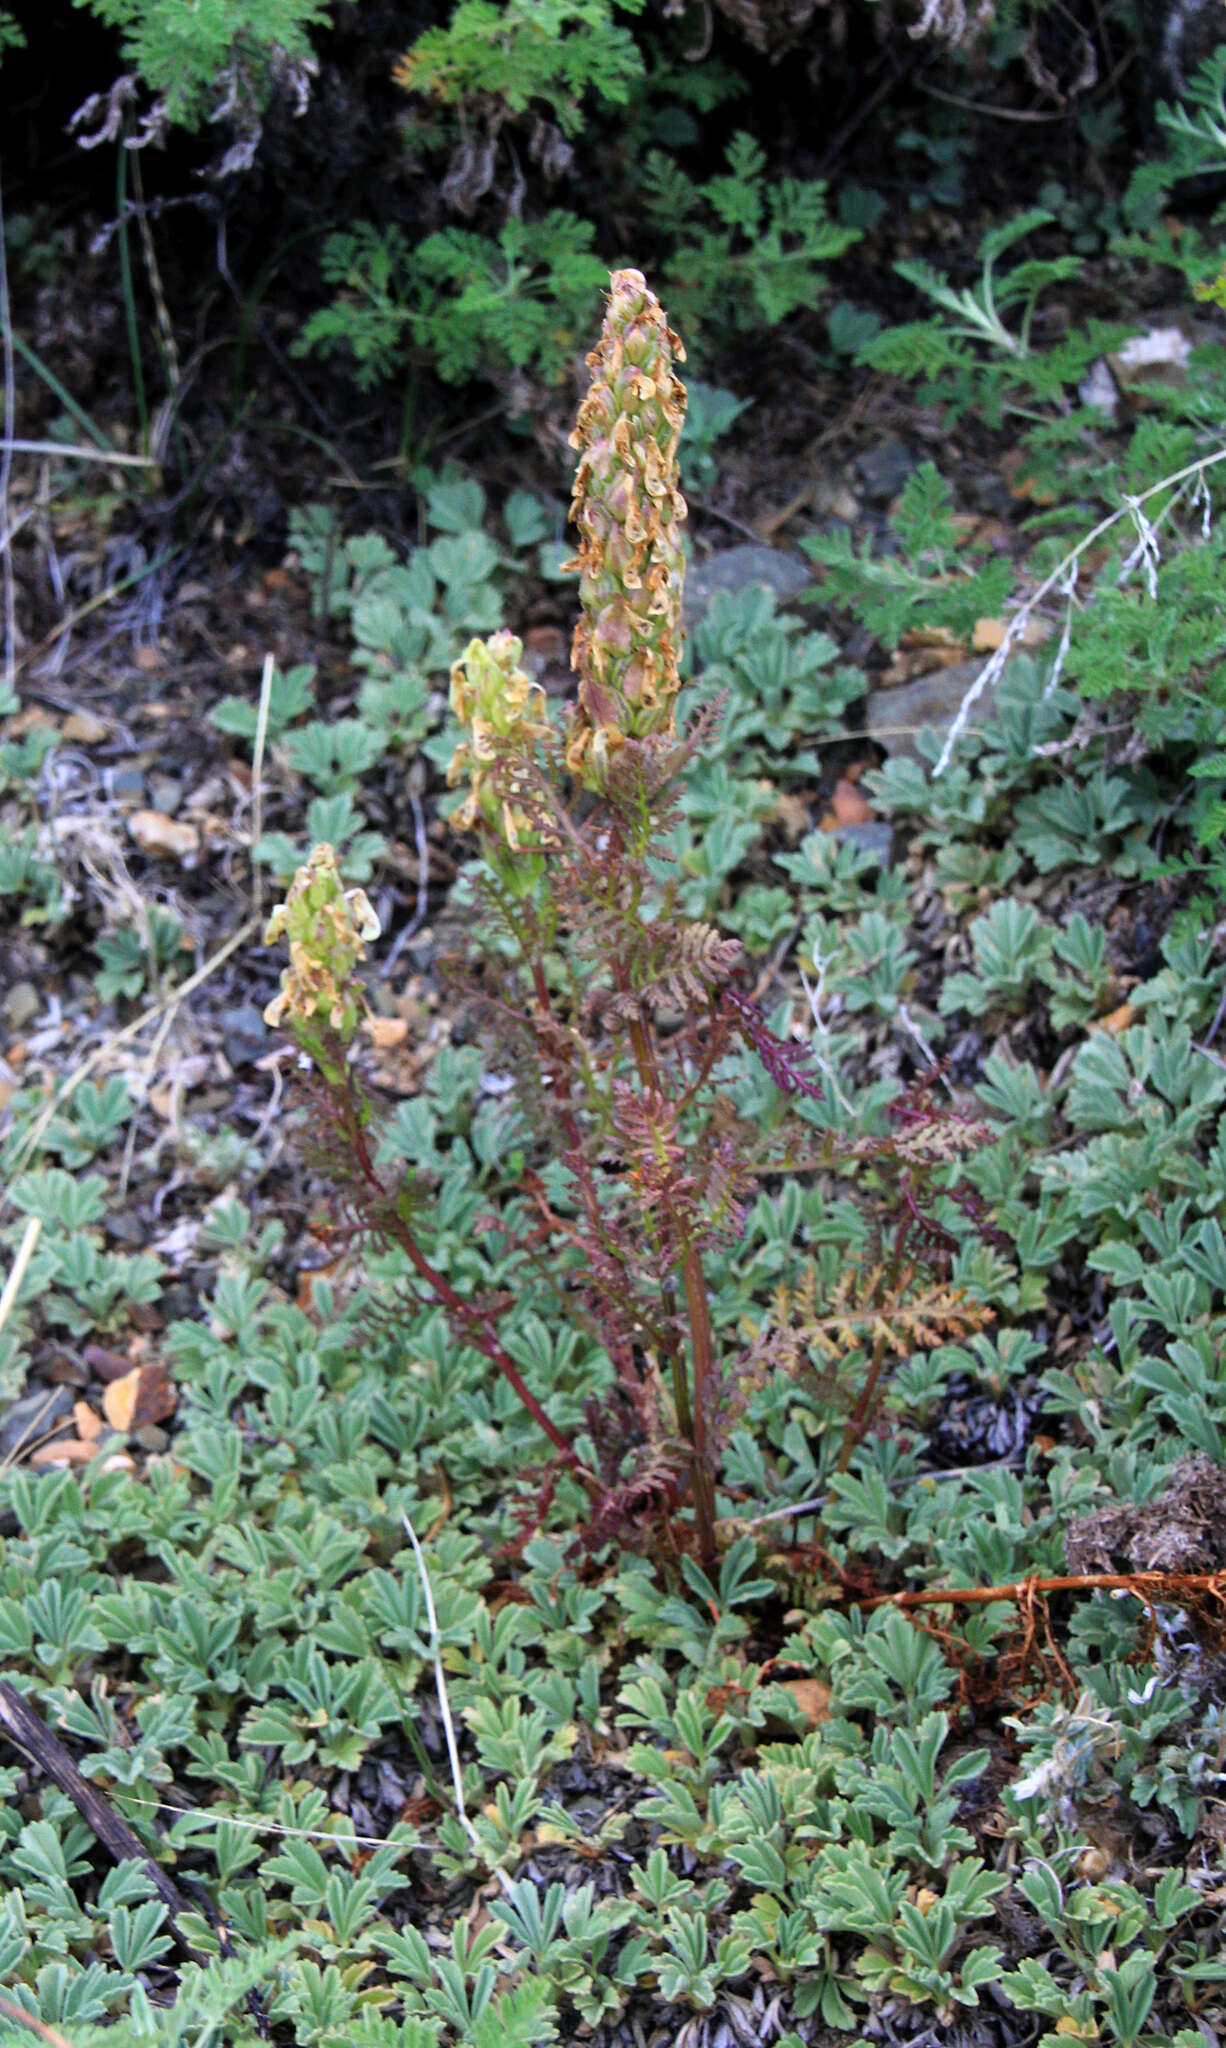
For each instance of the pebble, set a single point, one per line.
(738, 569)
(883, 470)
(895, 718)
(835, 500)
(125, 1228)
(165, 793)
(21, 1005)
(84, 729)
(244, 1035)
(125, 785)
(29, 1419)
(154, 832)
(873, 836)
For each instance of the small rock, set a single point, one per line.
(180, 1302)
(83, 727)
(21, 1005)
(244, 1035)
(154, 832)
(738, 569)
(990, 495)
(835, 500)
(1100, 390)
(108, 1364)
(875, 836)
(27, 1420)
(895, 718)
(63, 1371)
(165, 793)
(884, 470)
(125, 785)
(125, 1228)
(386, 1033)
(151, 1438)
(141, 1398)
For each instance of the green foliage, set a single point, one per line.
(405, 619)
(185, 53)
(136, 957)
(708, 416)
(928, 580)
(976, 313)
(743, 252)
(237, 1627)
(473, 305)
(525, 53)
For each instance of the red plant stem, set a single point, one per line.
(698, 1309)
(691, 1413)
(477, 1328)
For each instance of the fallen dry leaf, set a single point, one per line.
(1115, 1022)
(66, 1450)
(142, 1396)
(154, 832)
(811, 1696)
(88, 1421)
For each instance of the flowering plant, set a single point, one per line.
(616, 1011)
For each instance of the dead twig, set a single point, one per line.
(1183, 1588)
(28, 1733)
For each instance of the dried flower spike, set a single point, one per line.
(503, 710)
(328, 928)
(629, 510)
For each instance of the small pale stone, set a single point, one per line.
(154, 832)
(84, 728)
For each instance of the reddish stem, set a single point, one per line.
(477, 1328)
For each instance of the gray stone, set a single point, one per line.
(875, 836)
(738, 569)
(126, 1228)
(125, 785)
(165, 793)
(895, 718)
(21, 1005)
(26, 1422)
(883, 470)
(245, 1035)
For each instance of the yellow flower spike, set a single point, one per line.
(503, 709)
(328, 928)
(629, 510)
